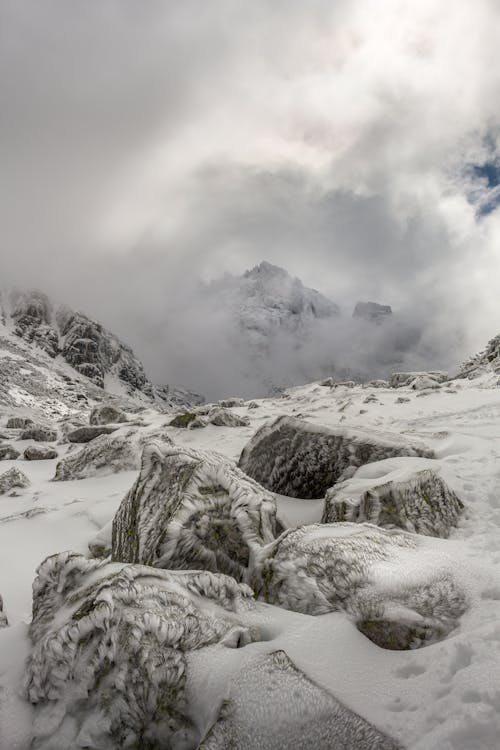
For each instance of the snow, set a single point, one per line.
(445, 696)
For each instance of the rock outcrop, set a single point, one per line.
(419, 501)
(193, 509)
(13, 479)
(296, 713)
(374, 574)
(300, 459)
(487, 361)
(109, 663)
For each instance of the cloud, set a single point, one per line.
(146, 146)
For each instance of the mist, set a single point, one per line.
(149, 149)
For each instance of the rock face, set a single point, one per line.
(11, 479)
(295, 714)
(86, 434)
(372, 311)
(39, 434)
(8, 453)
(39, 453)
(103, 455)
(193, 509)
(106, 414)
(486, 361)
(420, 502)
(108, 667)
(300, 459)
(374, 574)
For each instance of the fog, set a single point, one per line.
(147, 148)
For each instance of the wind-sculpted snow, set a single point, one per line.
(104, 455)
(374, 574)
(273, 705)
(109, 663)
(12, 479)
(193, 509)
(419, 501)
(299, 459)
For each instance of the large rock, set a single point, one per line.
(39, 453)
(18, 423)
(104, 455)
(109, 666)
(376, 575)
(193, 509)
(8, 453)
(12, 479)
(418, 501)
(401, 379)
(39, 434)
(300, 459)
(88, 433)
(221, 417)
(273, 705)
(106, 414)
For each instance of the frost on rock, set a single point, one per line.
(109, 663)
(222, 417)
(400, 379)
(273, 705)
(419, 501)
(487, 361)
(300, 459)
(8, 453)
(39, 453)
(374, 574)
(12, 479)
(106, 414)
(87, 433)
(39, 434)
(193, 509)
(103, 455)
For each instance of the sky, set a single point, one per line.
(148, 146)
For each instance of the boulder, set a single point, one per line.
(183, 420)
(401, 379)
(18, 423)
(88, 433)
(376, 575)
(193, 509)
(39, 453)
(226, 418)
(104, 455)
(8, 453)
(106, 414)
(11, 479)
(272, 704)
(39, 434)
(418, 501)
(110, 645)
(299, 459)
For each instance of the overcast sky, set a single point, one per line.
(146, 144)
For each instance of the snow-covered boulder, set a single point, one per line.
(11, 479)
(377, 575)
(39, 434)
(8, 453)
(296, 713)
(401, 379)
(300, 459)
(424, 382)
(88, 433)
(230, 403)
(193, 509)
(222, 417)
(39, 453)
(419, 501)
(109, 661)
(18, 423)
(107, 454)
(106, 414)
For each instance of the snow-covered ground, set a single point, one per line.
(445, 696)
